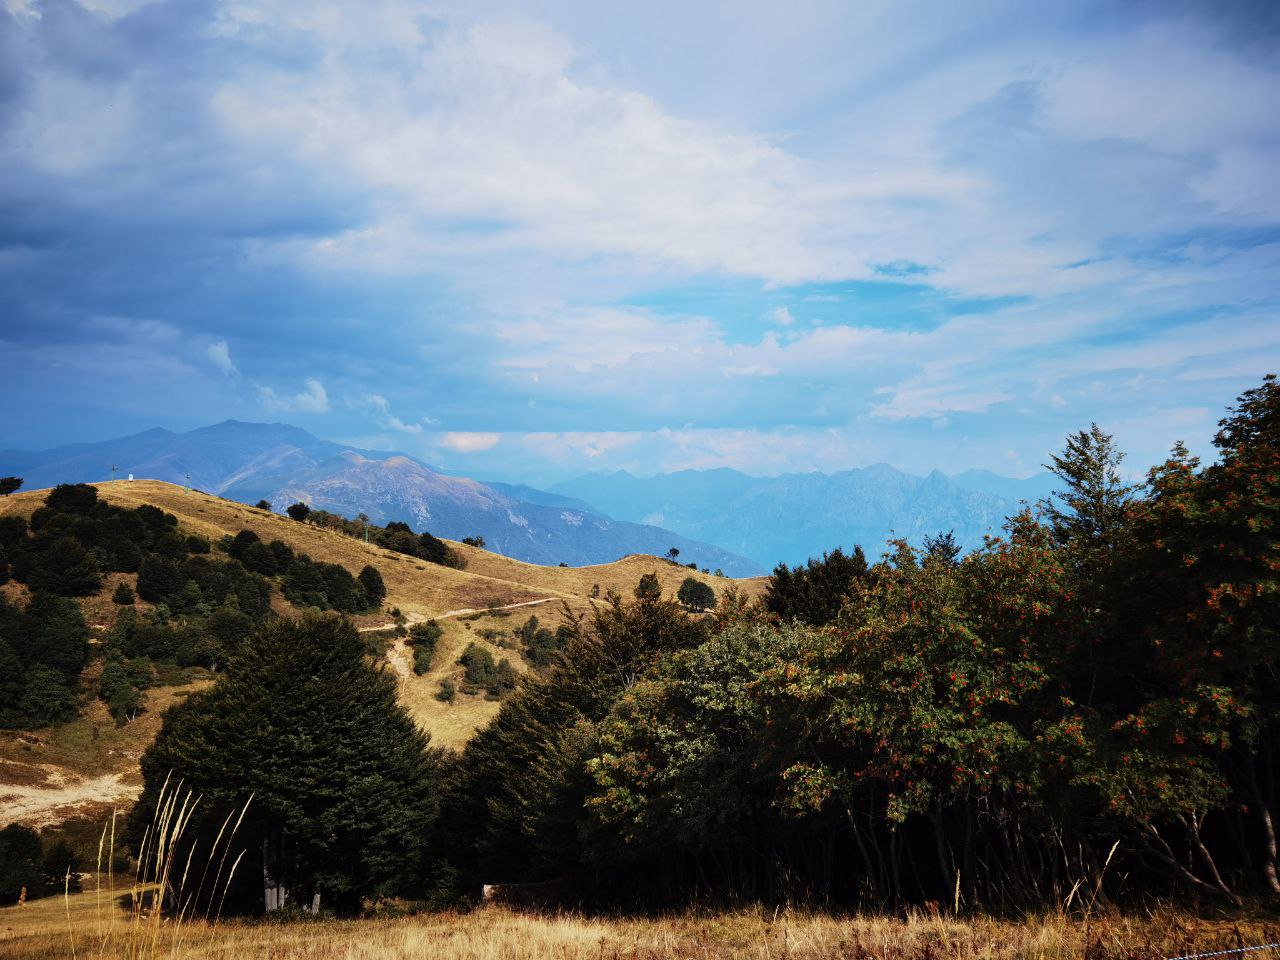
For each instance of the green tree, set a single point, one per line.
(1091, 508)
(649, 588)
(696, 595)
(117, 691)
(298, 511)
(264, 505)
(374, 589)
(9, 485)
(815, 593)
(343, 781)
(46, 697)
(65, 567)
(19, 863)
(123, 594)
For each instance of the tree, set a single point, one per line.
(9, 485)
(696, 595)
(649, 587)
(65, 567)
(19, 863)
(672, 553)
(942, 547)
(123, 594)
(1092, 506)
(72, 498)
(343, 781)
(117, 691)
(263, 505)
(371, 580)
(46, 697)
(298, 511)
(814, 593)
(474, 541)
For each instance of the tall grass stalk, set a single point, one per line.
(162, 906)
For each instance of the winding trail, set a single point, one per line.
(460, 612)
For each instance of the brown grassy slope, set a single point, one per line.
(421, 590)
(93, 926)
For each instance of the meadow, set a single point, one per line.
(86, 925)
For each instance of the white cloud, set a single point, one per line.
(313, 399)
(469, 442)
(783, 316)
(220, 355)
(377, 404)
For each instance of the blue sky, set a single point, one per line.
(526, 240)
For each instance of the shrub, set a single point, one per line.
(298, 511)
(263, 505)
(448, 691)
(123, 595)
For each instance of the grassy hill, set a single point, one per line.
(85, 766)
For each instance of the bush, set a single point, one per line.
(483, 674)
(263, 505)
(298, 511)
(123, 595)
(448, 691)
(423, 636)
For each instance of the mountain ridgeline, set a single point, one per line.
(284, 464)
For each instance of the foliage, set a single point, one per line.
(424, 637)
(375, 590)
(814, 593)
(696, 595)
(35, 865)
(298, 511)
(343, 782)
(482, 673)
(1086, 707)
(9, 485)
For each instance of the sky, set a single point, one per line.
(523, 241)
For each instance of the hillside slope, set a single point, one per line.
(85, 766)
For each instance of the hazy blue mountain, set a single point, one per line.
(283, 464)
(536, 527)
(792, 517)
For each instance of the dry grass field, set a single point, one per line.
(81, 768)
(87, 925)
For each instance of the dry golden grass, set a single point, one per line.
(46, 929)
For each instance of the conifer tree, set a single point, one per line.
(343, 781)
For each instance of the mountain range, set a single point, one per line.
(285, 464)
(792, 517)
(719, 519)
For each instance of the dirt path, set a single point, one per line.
(43, 805)
(413, 618)
(510, 606)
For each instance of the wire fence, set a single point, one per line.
(1224, 953)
